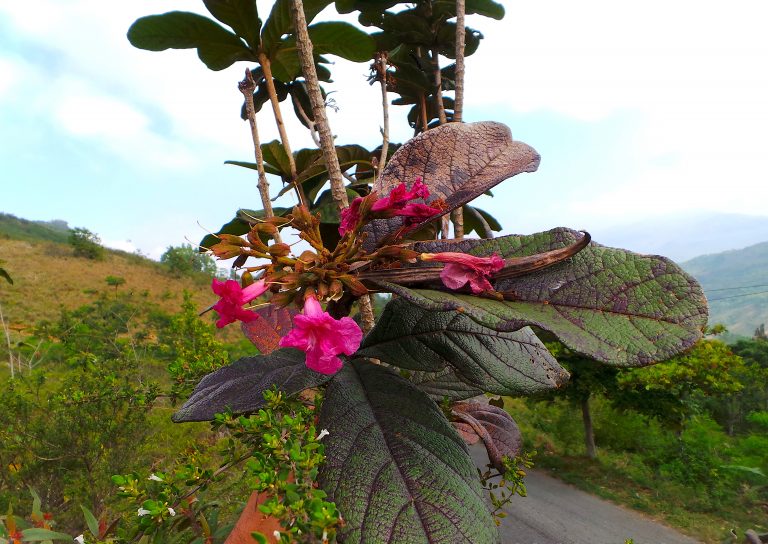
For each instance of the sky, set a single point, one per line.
(641, 111)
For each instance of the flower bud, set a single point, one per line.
(279, 250)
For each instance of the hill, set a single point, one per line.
(33, 231)
(686, 236)
(736, 284)
(47, 276)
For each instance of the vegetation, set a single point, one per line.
(683, 440)
(33, 231)
(185, 260)
(388, 396)
(86, 244)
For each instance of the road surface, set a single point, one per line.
(557, 513)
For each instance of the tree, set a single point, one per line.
(86, 244)
(185, 260)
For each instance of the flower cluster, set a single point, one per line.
(399, 203)
(333, 276)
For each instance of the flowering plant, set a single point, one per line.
(461, 323)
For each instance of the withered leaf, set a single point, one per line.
(271, 324)
(495, 427)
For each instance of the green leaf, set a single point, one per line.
(479, 221)
(268, 168)
(394, 465)
(504, 363)
(241, 15)
(457, 161)
(280, 22)
(217, 47)
(37, 535)
(240, 386)
(443, 384)
(343, 40)
(610, 304)
(349, 156)
(91, 521)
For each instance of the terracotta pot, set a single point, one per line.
(252, 519)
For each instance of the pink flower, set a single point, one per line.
(230, 307)
(400, 196)
(462, 269)
(416, 212)
(350, 216)
(322, 337)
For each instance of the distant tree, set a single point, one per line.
(186, 260)
(115, 281)
(86, 244)
(588, 378)
(678, 388)
(760, 332)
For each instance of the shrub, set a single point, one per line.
(86, 244)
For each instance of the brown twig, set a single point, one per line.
(458, 107)
(438, 88)
(380, 64)
(267, 69)
(306, 58)
(247, 87)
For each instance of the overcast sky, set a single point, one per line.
(640, 111)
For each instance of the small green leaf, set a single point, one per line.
(217, 47)
(39, 535)
(91, 521)
(6, 275)
(280, 22)
(343, 40)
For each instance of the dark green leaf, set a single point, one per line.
(6, 275)
(343, 40)
(613, 305)
(280, 22)
(217, 47)
(442, 384)
(241, 15)
(240, 386)
(394, 465)
(504, 363)
(479, 221)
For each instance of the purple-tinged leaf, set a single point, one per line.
(443, 384)
(494, 426)
(457, 161)
(271, 324)
(610, 304)
(394, 466)
(240, 386)
(504, 363)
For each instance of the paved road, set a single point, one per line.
(557, 513)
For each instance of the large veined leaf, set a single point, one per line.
(457, 161)
(442, 384)
(240, 15)
(504, 363)
(395, 467)
(610, 304)
(494, 426)
(217, 47)
(240, 386)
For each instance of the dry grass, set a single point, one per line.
(47, 277)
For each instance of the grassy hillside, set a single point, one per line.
(729, 278)
(33, 231)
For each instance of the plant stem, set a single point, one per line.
(438, 88)
(458, 108)
(381, 69)
(247, 86)
(423, 112)
(304, 46)
(267, 68)
(457, 216)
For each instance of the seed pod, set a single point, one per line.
(279, 250)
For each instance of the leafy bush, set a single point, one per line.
(86, 244)
(185, 260)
